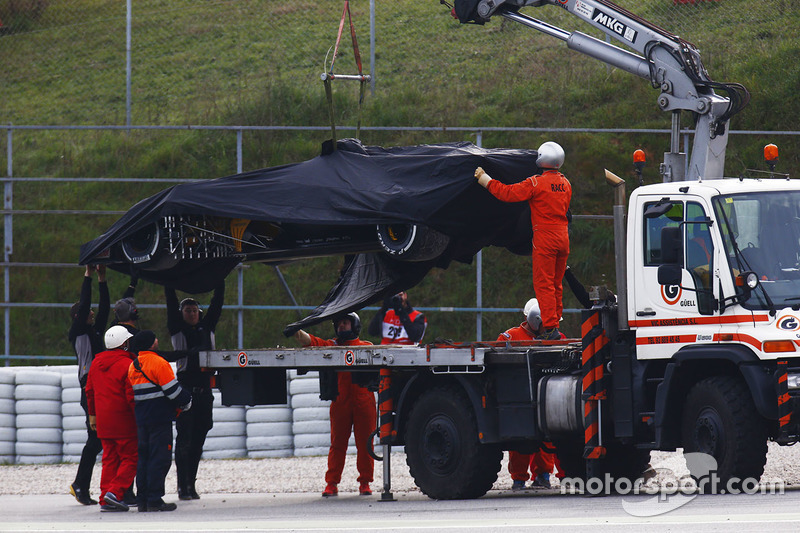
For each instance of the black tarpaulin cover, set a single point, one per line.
(432, 185)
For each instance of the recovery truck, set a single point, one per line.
(699, 350)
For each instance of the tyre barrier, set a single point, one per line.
(73, 419)
(8, 426)
(38, 421)
(227, 439)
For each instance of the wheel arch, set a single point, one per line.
(413, 387)
(695, 363)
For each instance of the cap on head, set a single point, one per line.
(551, 155)
(125, 310)
(142, 341)
(116, 336)
(189, 301)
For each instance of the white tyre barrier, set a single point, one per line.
(7, 390)
(311, 452)
(302, 414)
(8, 434)
(8, 406)
(7, 420)
(44, 449)
(311, 426)
(228, 429)
(228, 414)
(225, 454)
(38, 377)
(308, 400)
(72, 409)
(74, 436)
(44, 459)
(269, 429)
(71, 395)
(38, 421)
(213, 444)
(69, 380)
(268, 413)
(39, 435)
(265, 454)
(312, 440)
(282, 442)
(304, 385)
(37, 392)
(73, 422)
(7, 450)
(39, 407)
(8, 377)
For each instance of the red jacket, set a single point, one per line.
(109, 395)
(548, 195)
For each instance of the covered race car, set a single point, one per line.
(402, 210)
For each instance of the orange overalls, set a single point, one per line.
(549, 196)
(353, 409)
(540, 462)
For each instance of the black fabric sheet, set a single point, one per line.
(432, 185)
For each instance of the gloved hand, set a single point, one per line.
(483, 177)
(397, 303)
(93, 422)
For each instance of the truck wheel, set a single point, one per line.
(443, 453)
(411, 242)
(720, 419)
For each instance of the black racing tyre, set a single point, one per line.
(721, 420)
(146, 248)
(411, 242)
(443, 453)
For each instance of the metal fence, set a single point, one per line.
(139, 58)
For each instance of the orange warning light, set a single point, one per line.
(770, 152)
(639, 157)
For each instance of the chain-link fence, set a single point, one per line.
(191, 62)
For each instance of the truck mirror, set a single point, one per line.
(671, 245)
(658, 209)
(669, 274)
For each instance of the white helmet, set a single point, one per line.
(116, 336)
(532, 314)
(551, 155)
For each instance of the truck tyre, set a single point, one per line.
(720, 419)
(443, 453)
(411, 242)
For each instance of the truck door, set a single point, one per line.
(667, 318)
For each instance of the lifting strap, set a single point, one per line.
(328, 77)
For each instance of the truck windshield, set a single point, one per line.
(761, 233)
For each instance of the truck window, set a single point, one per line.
(699, 255)
(652, 232)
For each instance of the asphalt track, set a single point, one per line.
(499, 511)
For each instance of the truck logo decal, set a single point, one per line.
(349, 358)
(242, 359)
(671, 293)
(705, 338)
(733, 319)
(788, 323)
(614, 25)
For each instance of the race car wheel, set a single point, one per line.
(145, 249)
(411, 242)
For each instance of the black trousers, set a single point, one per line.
(192, 427)
(155, 458)
(92, 447)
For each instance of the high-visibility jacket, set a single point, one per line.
(394, 332)
(157, 401)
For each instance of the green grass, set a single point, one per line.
(258, 63)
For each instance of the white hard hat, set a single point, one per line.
(116, 337)
(532, 314)
(551, 155)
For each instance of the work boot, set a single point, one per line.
(81, 495)
(114, 502)
(542, 481)
(184, 493)
(364, 490)
(518, 484)
(162, 506)
(193, 492)
(551, 334)
(330, 490)
(129, 498)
